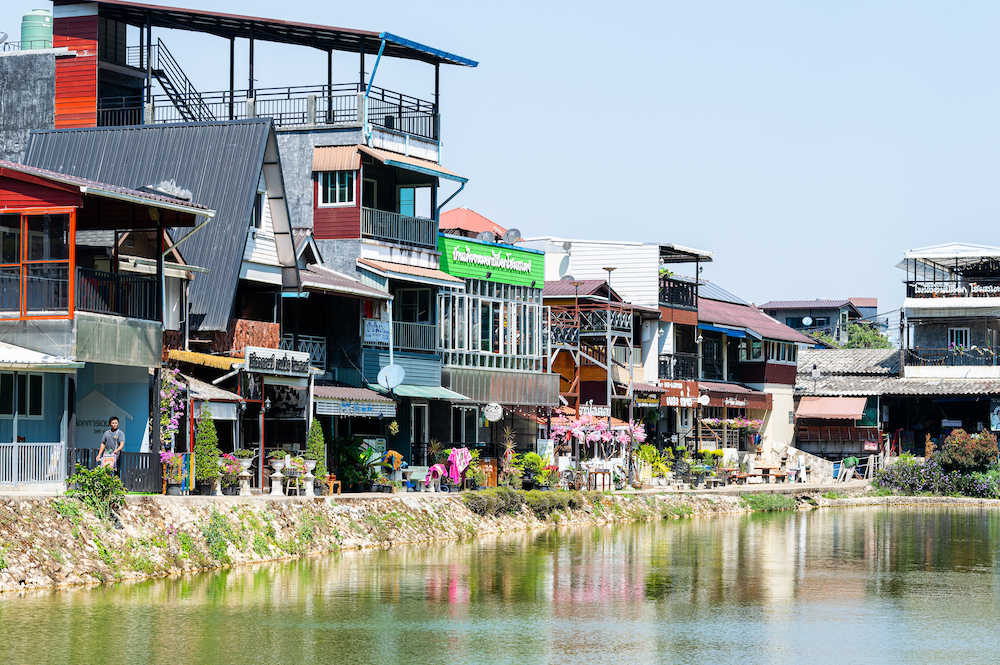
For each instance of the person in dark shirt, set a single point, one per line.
(111, 444)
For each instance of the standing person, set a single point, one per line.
(111, 444)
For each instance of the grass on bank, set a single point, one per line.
(765, 502)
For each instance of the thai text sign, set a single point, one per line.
(276, 361)
(595, 411)
(473, 259)
(377, 331)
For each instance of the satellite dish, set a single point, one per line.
(567, 245)
(704, 400)
(3, 37)
(807, 320)
(510, 236)
(566, 278)
(493, 412)
(391, 376)
(486, 236)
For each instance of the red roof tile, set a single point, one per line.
(469, 221)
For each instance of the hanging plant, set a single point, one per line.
(171, 405)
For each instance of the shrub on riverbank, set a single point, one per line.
(910, 476)
(768, 503)
(967, 453)
(494, 501)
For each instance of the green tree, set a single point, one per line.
(865, 336)
(316, 447)
(964, 452)
(206, 448)
(825, 337)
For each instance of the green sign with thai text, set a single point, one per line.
(474, 259)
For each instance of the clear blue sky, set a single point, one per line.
(806, 144)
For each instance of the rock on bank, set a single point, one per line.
(53, 542)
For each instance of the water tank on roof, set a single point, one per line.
(36, 29)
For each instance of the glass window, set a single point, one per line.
(337, 187)
(48, 237)
(414, 305)
(958, 337)
(29, 395)
(10, 239)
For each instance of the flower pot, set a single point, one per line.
(310, 465)
(231, 490)
(246, 463)
(173, 489)
(204, 487)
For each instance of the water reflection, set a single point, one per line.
(835, 586)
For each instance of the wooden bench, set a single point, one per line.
(738, 477)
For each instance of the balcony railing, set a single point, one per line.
(678, 367)
(339, 104)
(678, 294)
(411, 337)
(394, 227)
(119, 294)
(314, 346)
(976, 356)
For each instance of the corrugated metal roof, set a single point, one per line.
(412, 163)
(336, 158)
(864, 302)
(805, 304)
(324, 279)
(707, 289)
(414, 273)
(229, 26)
(425, 392)
(17, 357)
(588, 287)
(469, 221)
(219, 162)
(742, 316)
(349, 393)
(883, 385)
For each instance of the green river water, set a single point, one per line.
(859, 585)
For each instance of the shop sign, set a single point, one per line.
(473, 259)
(276, 361)
(736, 403)
(871, 445)
(679, 394)
(376, 332)
(683, 402)
(595, 411)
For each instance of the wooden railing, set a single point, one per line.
(384, 225)
(678, 294)
(314, 346)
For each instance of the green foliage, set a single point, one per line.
(316, 448)
(187, 544)
(99, 488)
(543, 504)
(531, 466)
(3, 557)
(495, 501)
(67, 509)
(206, 448)
(766, 502)
(865, 336)
(260, 546)
(104, 553)
(219, 532)
(966, 453)
(674, 512)
(355, 464)
(825, 338)
(834, 495)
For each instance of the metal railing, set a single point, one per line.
(410, 337)
(988, 287)
(973, 356)
(314, 346)
(26, 463)
(677, 293)
(139, 472)
(337, 104)
(392, 226)
(102, 292)
(678, 367)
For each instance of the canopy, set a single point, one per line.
(832, 408)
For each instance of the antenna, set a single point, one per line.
(567, 245)
(391, 376)
(511, 236)
(486, 236)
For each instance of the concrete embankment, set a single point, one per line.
(48, 542)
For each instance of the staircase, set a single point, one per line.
(176, 85)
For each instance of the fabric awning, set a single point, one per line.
(425, 392)
(832, 408)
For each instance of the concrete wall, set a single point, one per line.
(27, 98)
(778, 431)
(935, 335)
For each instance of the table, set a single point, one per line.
(765, 472)
(606, 480)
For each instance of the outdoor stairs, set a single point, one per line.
(175, 83)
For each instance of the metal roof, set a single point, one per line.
(751, 318)
(348, 393)
(588, 288)
(707, 289)
(470, 221)
(943, 260)
(426, 392)
(17, 357)
(410, 273)
(323, 279)
(219, 162)
(805, 304)
(235, 26)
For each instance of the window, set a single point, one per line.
(369, 193)
(34, 263)
(958, 337)
(415, 202)
(756, 349)
(29, 395)
(337, 187)
(414, 305)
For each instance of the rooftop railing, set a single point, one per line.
(391, 226)
(973, 356)
(336, 105)
(678, 294)
(968, 288)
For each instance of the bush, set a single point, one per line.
(910, 476)
(494, 501)
(766, 502)
(206, 448)
(98, 488)
(531, 466)
(963, 452)
(316, 448)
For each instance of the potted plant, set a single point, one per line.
(173, 472)
(230, 467)
(477, 477)
(206, 453)
(316, 448)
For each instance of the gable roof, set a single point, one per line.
(819, 303)
(864, 302)
(470, 221)
(218, 162)
(589, 288)
(751, 318)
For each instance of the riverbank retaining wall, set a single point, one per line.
(55, 542)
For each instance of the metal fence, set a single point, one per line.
(385, 225)
(114, 293)
(27, 463)
(139, 472)
(973, 356)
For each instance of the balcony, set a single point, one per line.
(391, 226)
(311, 344)
(678, 367)
(675, 293)
(118, 294)
(957, 288)
(337, 105)
(46, 293)
(952, 363)
(410, 337)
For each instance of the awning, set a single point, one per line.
(424, 166)
(424, 392)
(348, 158)
(350, 401)
(204, 359)
(208, 392)
(19, 358)
(733, 395)
(832, 408)
(946, 307)
(411, 273)
(322, 279)
(732, 332)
